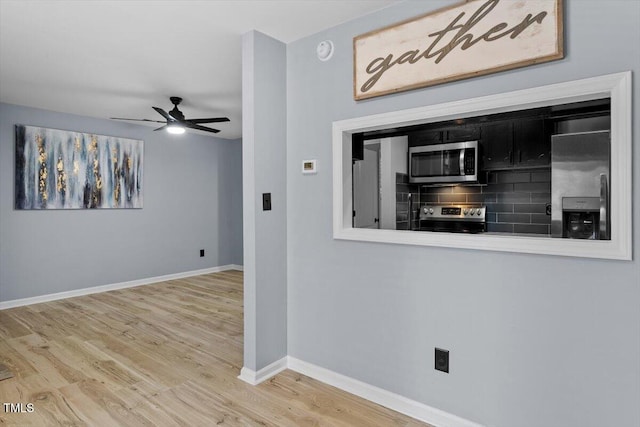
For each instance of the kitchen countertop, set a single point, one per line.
(496, 233)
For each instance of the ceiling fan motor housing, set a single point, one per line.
(175, 113)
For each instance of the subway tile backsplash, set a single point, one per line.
(516, 200)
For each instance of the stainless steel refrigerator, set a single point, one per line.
(580, 185)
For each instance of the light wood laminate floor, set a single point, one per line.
(166, 354)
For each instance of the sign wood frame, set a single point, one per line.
(467, 39)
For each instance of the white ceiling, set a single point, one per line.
(119, 58)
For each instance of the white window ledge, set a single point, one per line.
(617, 87)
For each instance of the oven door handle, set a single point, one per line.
(462, 151)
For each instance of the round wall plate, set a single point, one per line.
(324, 50)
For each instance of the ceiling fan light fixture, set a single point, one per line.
(175, 129)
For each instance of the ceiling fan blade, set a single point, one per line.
(163, 113)
(137, 120)
(198, 127)
(161, 127)
(211, 120)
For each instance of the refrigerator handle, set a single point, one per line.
(410, 222)
(604, 207)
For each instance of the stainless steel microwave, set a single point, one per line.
(444, 163)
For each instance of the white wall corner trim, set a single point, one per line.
(114, 286)
(617, 87)
(254, 378)
(411, 408)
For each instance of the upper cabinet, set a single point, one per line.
(532, 143)
(425, 137)
(461, 133)
(518, 143)
(438, 135)
(497, 145)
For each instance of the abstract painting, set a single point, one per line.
(57, 169)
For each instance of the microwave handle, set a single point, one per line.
(462, 151)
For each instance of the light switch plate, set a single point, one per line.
(266, 201)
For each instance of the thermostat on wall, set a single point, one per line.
(309, 166)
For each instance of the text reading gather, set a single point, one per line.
(463, 38)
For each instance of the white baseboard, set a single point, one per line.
(254, 378)
(104, 288)
(417, 410)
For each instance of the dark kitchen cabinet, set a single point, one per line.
(497, 145)
(518, 143)
(532, 143)
(461, 133)
(425, 137)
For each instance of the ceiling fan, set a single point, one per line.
(175, 122)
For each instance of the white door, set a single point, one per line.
(366, 191)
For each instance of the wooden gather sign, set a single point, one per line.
(468, 39)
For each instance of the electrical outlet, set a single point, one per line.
(201, 252)
(442, 360)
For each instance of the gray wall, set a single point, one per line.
(264, 167)
(535, 340)
(192, 186)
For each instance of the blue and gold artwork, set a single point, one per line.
(57, 169)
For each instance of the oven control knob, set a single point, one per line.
(473, 211)
(431, 211)
(466, 211)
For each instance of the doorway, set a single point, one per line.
(366, 188)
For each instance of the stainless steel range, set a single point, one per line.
(453, 218)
